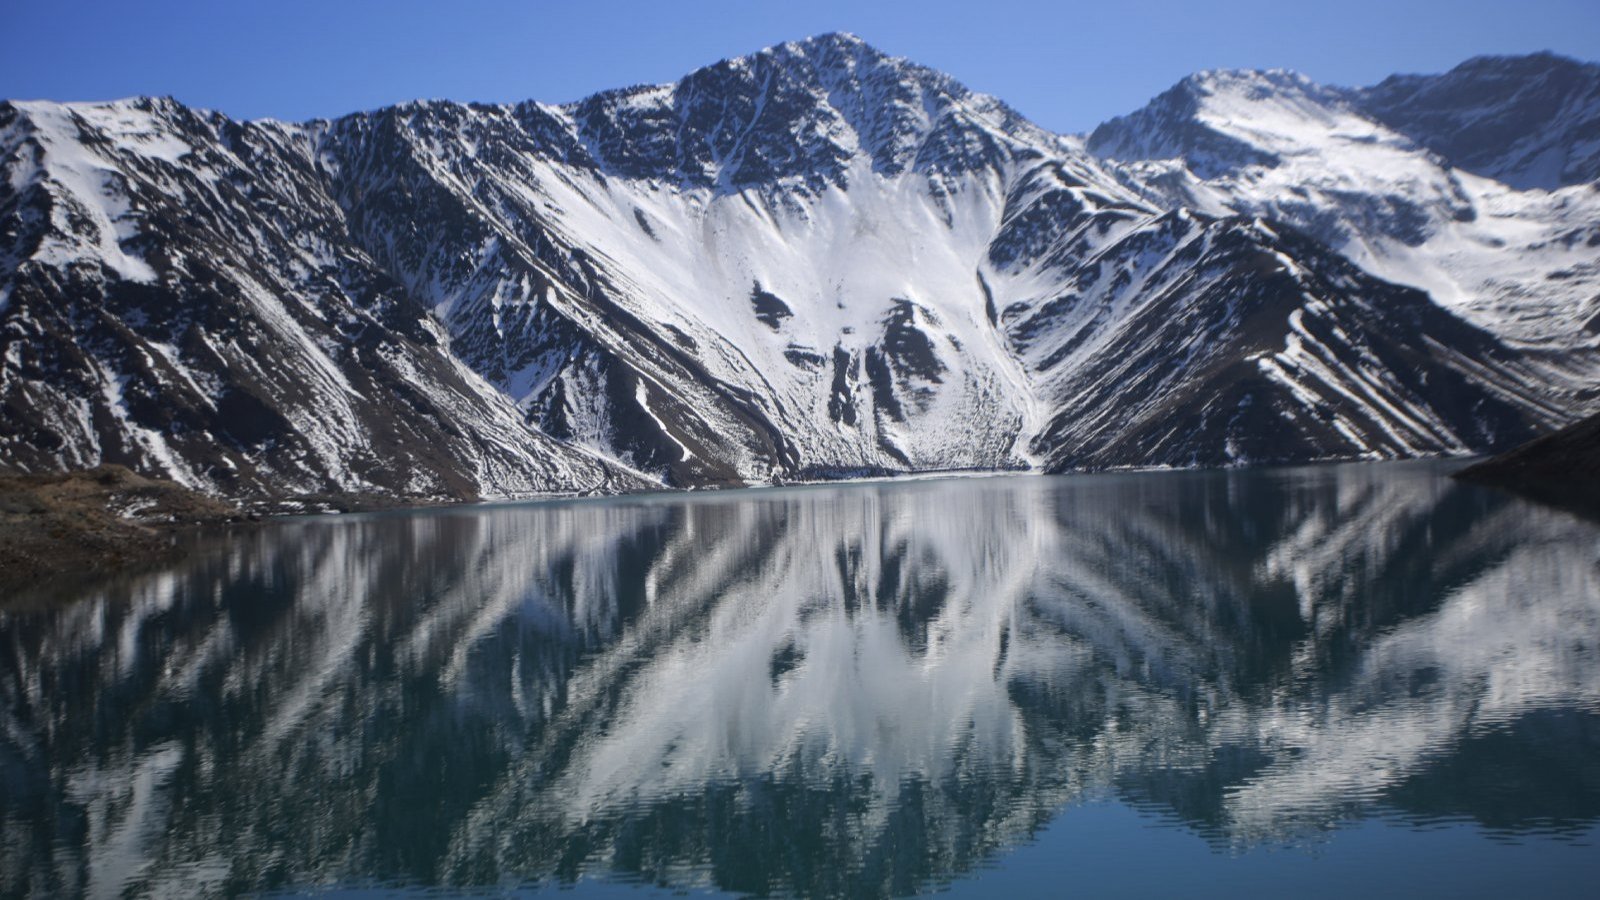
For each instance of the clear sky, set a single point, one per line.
(1067, 65)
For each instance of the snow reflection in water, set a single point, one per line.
(843, 690)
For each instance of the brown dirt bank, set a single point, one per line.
(95, 521)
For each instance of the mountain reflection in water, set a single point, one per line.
(852, 690)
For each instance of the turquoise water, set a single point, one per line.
(1327, 681)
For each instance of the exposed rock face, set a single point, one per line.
(183, 296)
(814, 261)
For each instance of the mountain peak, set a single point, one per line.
(798, 111)
(1213, 81)
(831, 41)
(1194, 119)
(837, 56)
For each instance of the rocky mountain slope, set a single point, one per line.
(1562, 468)
(815, 261)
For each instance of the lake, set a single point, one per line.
(1317, 681)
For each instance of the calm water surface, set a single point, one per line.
(1311, 682)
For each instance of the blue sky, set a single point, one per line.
(1067, 65)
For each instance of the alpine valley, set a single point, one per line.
(814, 262)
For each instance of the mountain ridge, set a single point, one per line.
(812, 261)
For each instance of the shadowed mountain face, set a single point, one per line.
(1562, 468)
(813, 261)
(841, 691)
(1528, 121)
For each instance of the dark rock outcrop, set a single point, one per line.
(1562, 468)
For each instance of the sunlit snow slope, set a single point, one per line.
(1477, 186)
(815, 261)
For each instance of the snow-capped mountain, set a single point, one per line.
(181, 294)
(1477, 186)
(810, 262)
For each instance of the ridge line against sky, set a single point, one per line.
(1068, 66)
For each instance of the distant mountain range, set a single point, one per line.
(817, 261)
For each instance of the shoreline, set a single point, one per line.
(96, 522)
(109, 520)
